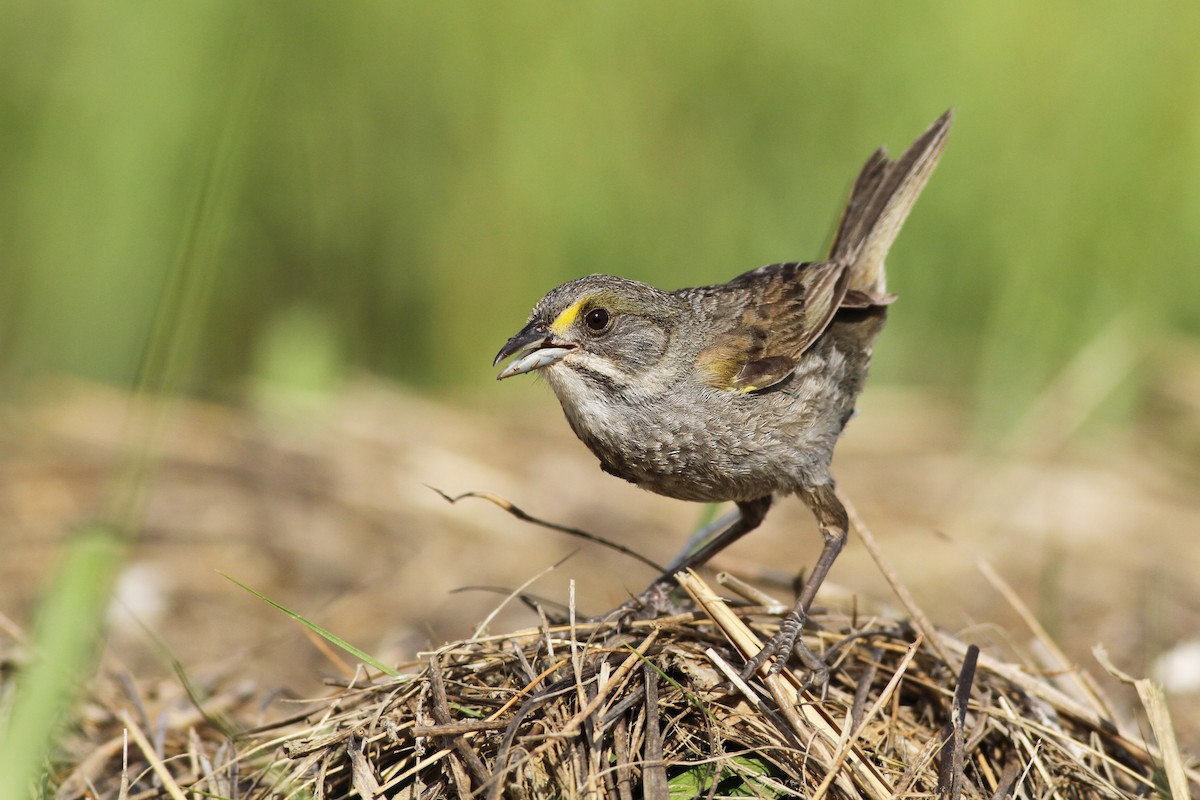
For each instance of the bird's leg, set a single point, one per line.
(750, 516)
(700, 537)
(655, 597)
(831, 516)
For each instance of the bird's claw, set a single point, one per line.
(655, 601)
(781, 646)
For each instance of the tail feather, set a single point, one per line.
(883, 194)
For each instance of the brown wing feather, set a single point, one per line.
(788, 306)
(785, 308)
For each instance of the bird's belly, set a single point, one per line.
(715, 448)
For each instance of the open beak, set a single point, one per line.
(537, 350)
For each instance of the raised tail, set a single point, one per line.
(879, 203)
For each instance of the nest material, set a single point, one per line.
(659, 710)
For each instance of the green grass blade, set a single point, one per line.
(330, 637)
(64, 643)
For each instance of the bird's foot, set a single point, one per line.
(655, 601)
(781, 646)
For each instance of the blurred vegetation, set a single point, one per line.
(221, 197)
(393, 185)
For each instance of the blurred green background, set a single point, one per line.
(210, 191)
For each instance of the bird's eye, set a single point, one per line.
(597, 320)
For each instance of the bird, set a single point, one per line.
(733, 392)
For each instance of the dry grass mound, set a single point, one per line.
(655, 710)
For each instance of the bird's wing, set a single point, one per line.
(785, 307)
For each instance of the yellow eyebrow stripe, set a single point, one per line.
(567, 318)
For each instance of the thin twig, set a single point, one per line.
(879, 703)
(654, 769)
(950, 769)
(152, 758)
(554, 526)
(784, 688)
(441, 714)
(920, 618)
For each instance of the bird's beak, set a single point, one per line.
(538, 349)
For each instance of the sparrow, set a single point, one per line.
(735, 392)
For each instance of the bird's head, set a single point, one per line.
(599, 331)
